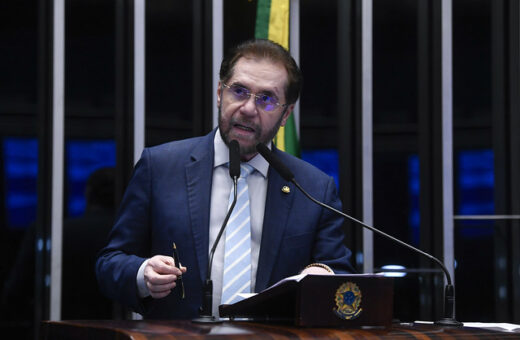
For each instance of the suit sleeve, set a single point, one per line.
(128, 244)
(329, 247)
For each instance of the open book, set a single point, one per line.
(298, 278)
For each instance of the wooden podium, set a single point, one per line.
(320, 301)
(186, 330)
(328, 307)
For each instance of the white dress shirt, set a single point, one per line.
(220, 191)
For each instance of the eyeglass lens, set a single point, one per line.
(264, 101)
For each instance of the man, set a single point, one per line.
(180, 190)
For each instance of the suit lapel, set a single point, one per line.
(277, 207)
(199, 173)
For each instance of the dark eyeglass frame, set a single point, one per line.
(259, 100)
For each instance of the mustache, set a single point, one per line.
(245, 122)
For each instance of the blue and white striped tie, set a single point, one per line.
(237, 261)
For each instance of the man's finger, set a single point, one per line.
(155, 278)
(160, 295)
(158, 289)
(163, 265)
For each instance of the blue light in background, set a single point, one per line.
(474, 185)
(83, 158)
(414, 217)
(21, 175)
(21, 171)
(324, 159)
(476, 182)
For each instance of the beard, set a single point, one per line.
(259, 136)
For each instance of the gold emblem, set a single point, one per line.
(348, 301)
(286, 189)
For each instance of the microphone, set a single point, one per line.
(234, 159)
(206, 310)
(449, 291)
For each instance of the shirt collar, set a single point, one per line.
(222, 156)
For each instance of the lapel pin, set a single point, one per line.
(286, 189)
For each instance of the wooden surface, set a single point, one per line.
(186, 330)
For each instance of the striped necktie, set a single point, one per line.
(237, 260)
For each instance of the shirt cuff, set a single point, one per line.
(142, 290)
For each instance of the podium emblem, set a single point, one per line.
(348, 301)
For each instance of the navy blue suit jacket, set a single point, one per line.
(168, 200)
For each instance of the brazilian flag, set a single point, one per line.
(272, 22)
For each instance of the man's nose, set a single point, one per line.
(249, 106)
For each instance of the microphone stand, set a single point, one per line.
(449, 292)
(206, 311)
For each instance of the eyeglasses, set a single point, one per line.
(264, 101)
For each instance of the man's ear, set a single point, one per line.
(219, 93)
(287, 114)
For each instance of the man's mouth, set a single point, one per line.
(244, 128)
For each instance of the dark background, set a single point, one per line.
(177, 107)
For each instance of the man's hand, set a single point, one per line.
(318, 268)
(160, 274)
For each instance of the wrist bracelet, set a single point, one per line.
(321, 265)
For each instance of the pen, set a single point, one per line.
(177, 262)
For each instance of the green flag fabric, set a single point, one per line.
(272, 22)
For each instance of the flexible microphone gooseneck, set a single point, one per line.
(206, 311)
(449, 291)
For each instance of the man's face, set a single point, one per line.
(243, 120)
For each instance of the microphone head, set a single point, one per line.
(275, 162)
(234, 159)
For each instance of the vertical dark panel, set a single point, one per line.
(43, 223)
(349, 117)
(3, 194)
(124, 90)
(202, 95)
(395, 147)
(89, 144)
(23, 37)
(172, 38)
(500, 98)
(209, 87)
(124, 102)
(319, 100)
(506, 147)
(500, 145)
(239, 22)
(514, 156)
(430, 150)
(198, 56)
(472, 136)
